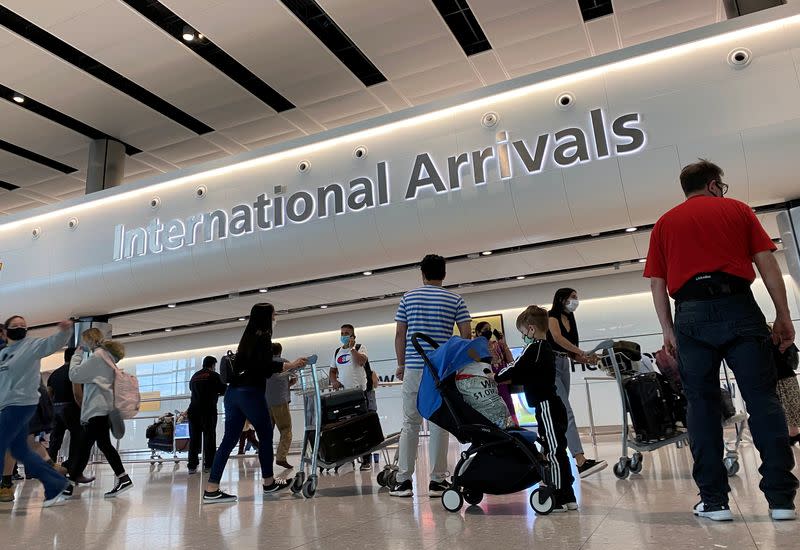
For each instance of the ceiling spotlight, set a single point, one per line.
(189, 33)
(262, 290)
(631, 229)
(367, 273)
(323, 307)
(242, 319)
(486, 253)
(642, 260)
(167, 330)
(18, 98)
(171, 306)
(521, 277)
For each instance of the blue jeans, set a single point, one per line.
(732, 328)
(243, 404)
(14, 422)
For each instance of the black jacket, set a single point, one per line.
(256, 367)
(206, 386)
(535, 370)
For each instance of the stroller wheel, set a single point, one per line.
(542, 501)
(473, 498)
(452, 500)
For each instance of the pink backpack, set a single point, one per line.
(127, 399)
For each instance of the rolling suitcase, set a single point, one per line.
(650, 407)
(351, 437)
(343, 404)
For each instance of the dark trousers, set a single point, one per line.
(202, 430)
(248, 437)
(67, 417)
(242, 404)
(96, 431)
(551, 418)
(732, 328)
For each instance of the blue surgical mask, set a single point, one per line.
(527, 339)
(345, 340)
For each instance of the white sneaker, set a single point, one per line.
(58, 500)
(572, 506)
(783, 514)
(714, 513)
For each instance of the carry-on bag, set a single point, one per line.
(349, 438)
(343, 404)
(650, 407)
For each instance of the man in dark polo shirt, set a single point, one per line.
(702, 253)
(205, 386)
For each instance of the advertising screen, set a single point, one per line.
(525, 413)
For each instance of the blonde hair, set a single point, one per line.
(116, 349)
(92, 336)
(533, 315)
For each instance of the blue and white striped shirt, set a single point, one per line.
(432, 310)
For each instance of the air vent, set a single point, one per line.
(592, 9)
(333, 37)
(171, 23)
(464, 26)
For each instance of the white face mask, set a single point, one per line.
(571, 305)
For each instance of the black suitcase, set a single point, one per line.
(352, 437)
(650, 407)
(343, 404)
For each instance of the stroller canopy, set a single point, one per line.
(445, 361)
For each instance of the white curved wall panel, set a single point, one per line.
(683, 97)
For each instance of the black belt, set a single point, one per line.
(709, 286)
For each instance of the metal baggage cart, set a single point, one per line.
(312, 381)
(179, 442)
(626, 464)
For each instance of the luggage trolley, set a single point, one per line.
(169, 434)
(312, 381)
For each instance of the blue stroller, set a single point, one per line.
(497, 462)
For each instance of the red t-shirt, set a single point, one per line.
(704, 235)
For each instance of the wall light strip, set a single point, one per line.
(558, 76)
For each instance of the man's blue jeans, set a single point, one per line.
(732, 328)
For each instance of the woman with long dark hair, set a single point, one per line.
(245, 400)
(563, 338)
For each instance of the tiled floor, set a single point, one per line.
(351, 512)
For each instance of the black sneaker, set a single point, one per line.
(590, 467)
(69, 490)
(123, 484)
(213, 497)
(365, 466)
(436, 488)
(716, 512)
(276, 486)
(402, 489)
(192, 470)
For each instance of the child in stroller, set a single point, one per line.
(497, 461)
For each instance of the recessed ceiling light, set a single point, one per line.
(631, 229)
(367, 273)
(323, 307)
(262, 290)
(18, 98)
(642, 260)
(167, 330)
(171, 306)
(242, 319)
(520, 277)
(188, 33)
(487, 253)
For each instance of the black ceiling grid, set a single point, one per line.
(60, 118)
(80, 60)
(334, 38)
(36, 157)
(592, 9)
(8, 186)
(464, 26)
(171, 23)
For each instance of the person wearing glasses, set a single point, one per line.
(702, 253)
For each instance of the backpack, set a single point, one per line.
(127, 398)
(367, 368)
(227, 371)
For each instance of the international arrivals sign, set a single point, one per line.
(564, 148)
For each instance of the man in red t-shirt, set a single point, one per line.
(702, 253)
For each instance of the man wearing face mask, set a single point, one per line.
(702, 253)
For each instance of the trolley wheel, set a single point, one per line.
(622, 469)
(731, 466)
(452, 500)
(636, 463)
(542, 500)
(473, 498)
(382, 481)
(310, 487)
(297, 484)
(391, 478)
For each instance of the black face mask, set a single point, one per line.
(17, 333)
(487, 334)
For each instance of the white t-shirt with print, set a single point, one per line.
(350, 374)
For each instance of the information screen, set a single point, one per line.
(525, 413)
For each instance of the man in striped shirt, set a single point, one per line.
(432, 310)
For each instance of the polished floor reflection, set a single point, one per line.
(351, 512)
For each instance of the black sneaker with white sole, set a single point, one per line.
(123, 484)
(216, 497)
(69, 490)
(402, 489)
(276, 486)
(714, 512)
(437, 488)
(590, 467)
